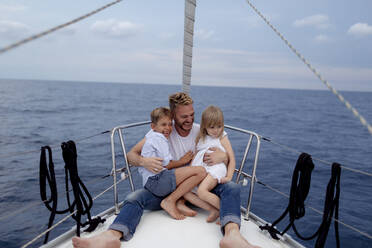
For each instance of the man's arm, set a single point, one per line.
(184, 160)
(153, 164)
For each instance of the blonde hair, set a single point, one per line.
(159, 113)
(211, 116)
(179, 98)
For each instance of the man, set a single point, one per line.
(182, 143)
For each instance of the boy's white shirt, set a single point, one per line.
(156, 145)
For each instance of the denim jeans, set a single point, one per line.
(229, 194)
(140, 200)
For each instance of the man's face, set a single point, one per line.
(184, 117)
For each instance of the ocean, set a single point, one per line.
(38, 113)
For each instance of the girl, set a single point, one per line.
(212, 135)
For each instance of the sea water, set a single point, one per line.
(38, 113)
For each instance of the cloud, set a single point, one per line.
(12, 30)
(204, 34)
(114, 28)
(317, 21)
(322, 38)
(4, 8)
(360, 29)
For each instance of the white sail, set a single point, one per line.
(188, 44)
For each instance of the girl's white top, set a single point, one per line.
(217, 171)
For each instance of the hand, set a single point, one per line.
(225, 180)
(153, 164)
(215, 157)
(185, 159)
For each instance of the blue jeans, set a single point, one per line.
(140, 200)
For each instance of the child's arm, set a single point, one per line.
(185, 159)
(231, 165)
(153, 164)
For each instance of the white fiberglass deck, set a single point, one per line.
(157, 227)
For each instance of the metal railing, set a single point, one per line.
(253, 137)
(119, 130)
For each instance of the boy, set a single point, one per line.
(166, 181)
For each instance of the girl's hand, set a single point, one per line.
(225, 180)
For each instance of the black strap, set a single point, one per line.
(331, 205)
(80, 192)
(82, 197)
(296, 206)
(46, 174)
(299, 190)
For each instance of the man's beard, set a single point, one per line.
(181, 125)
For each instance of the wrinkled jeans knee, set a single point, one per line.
(229, 194)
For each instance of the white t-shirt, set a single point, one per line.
(217, 171)
(179, 145)
(156, 145)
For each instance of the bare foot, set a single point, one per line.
(234, 239)
(107, 239)
(171, 209)
(213, 215)
(185, 210)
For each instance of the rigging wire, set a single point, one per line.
(55, 146)
(39, 35)
(31, 205)
(362, 120)
(314, 158)
(68, 216)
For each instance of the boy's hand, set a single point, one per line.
(185, 159)
(153, 164)
(225, 180)
(215, 157)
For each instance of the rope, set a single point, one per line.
(316, 73)
(299, 190)
(58, 146)
(82, 198)
(68, 216)
(39, 35)
(296, 205)
(317, 159)
(316, 210)
(47, 174)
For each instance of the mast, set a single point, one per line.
(188, 37)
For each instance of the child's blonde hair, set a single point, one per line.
(211, 116)
(159, 113)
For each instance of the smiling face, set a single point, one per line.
(163, 126)
(184, 119)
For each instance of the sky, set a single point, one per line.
(142, 41)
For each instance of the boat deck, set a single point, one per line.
(157, 227)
